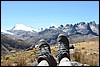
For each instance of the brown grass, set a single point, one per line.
(85, 52)
(20, 58)
(91, 59)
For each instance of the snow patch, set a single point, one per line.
(23, 27)
(4, 31)
(94, 28)
(54, 25)
(37, 30)
(81, 26)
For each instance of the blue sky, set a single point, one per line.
(45, 13)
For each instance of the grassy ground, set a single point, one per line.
(85, 52)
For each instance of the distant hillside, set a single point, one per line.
(82, 38)
(11, 44)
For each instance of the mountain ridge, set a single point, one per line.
(50, 34)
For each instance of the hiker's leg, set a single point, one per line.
(43, 63)
(65, 62)
(45, 57)
(63, 54)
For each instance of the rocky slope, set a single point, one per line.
(8, 44)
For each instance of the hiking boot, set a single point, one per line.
(45, 53)
(63, 44)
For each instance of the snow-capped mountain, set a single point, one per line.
(29, 34)
(24, 28)
(6, 32)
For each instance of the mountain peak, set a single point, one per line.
(22, 27)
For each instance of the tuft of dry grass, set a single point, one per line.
(6, 63)
(21, 61)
